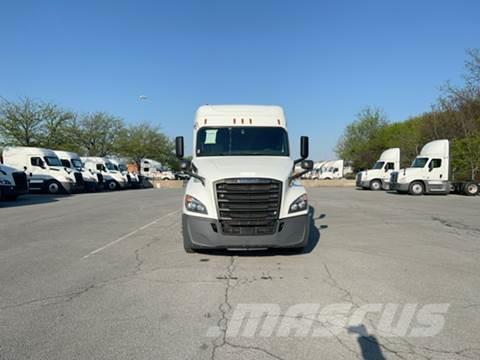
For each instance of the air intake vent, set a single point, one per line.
(248, 206)
(20, 179)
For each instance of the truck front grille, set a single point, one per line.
(248, 206)
(100, 178)
(393, 180)
(20, 179)
(79, 179)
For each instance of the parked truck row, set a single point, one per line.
(26, 169)
(429, 173)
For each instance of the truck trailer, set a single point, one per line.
(430, 174)
(378, 177)
(243, 192)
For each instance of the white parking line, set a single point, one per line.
(126, 236)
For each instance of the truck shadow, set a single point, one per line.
(31, 199)
(313, 240)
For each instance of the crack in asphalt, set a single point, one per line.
(222, 323)
(455, 225)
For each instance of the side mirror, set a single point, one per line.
(185, 165)
(179, 147)
(307, 164)
(386, 168)
(304, 147)
(430, 166)
(25, 168)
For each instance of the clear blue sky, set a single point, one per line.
(322, 61)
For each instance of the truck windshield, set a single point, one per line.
(110, 166)
(53, 161)
(419, 162)
(378, 165)
(77, 163)
(237, 141)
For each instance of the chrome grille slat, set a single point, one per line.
(248, 206)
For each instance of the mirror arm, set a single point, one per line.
(196, 176)
(296, 176)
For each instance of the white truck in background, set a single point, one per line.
(329, 170)
(242, 191)
(378, 177)
(12, 183)
(430, 174)
(113, 179)
(70, 160)
(44, 169)
(153, 169)
(120, 165)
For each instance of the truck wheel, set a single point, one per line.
(112, 185)
(53, 187)
(376, 185)
(416, 188)
(470, 189)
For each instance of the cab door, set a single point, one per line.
(437, 177)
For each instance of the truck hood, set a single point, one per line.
(410, 172)
(216, 168)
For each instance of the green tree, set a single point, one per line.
(21, 122)
(360, 143)
(98, 133)
(145, 141)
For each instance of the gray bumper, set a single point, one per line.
(200, 234)
(399, 187)
(68, 186)
(8, 190)
(364, 184)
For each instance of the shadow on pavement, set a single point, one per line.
(313, 239)
(31, 199)
(369, 344)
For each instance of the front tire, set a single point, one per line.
(416, 188)
(376, 185)
(53, 187)
(112, 185)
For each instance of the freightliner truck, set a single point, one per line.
(71, 161)
(378, 177)
(12, 183)
(242, 192)
(430, 174)
(44, 169)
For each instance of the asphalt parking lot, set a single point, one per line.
(104, 276)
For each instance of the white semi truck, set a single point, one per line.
(113, 179)
(242, 191)
(153, 169)
(430, 174)
(378, 177)
(12, 183)
(329, 170)
(44, 169)
(120, 165)
(70, 160)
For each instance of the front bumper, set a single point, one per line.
(200, 233)
(403, 187)
(11, 190)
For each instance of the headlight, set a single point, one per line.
(194, 205)
(300, 204)
(5, 182)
